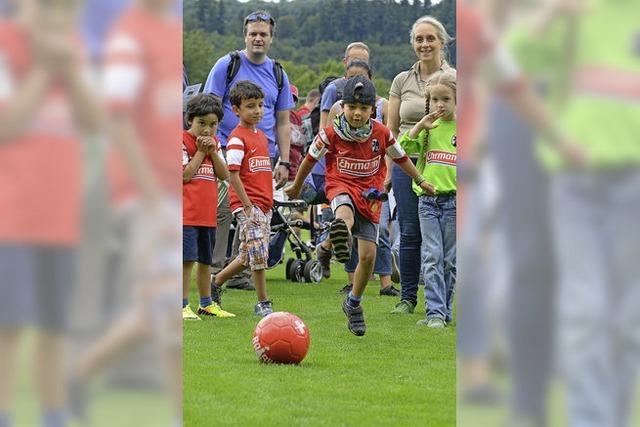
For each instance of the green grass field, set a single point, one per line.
(397, 374)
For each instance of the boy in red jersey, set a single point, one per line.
(48, 110)
(202, 167)
(355, 147)
(251, 194)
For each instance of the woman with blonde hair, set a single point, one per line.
(429, 39)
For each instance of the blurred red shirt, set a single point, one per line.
(41, 168)
(142, 81)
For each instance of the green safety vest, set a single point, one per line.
(597, 103)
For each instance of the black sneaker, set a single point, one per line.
(395, 271)
(216, 291)
(355, 318)
(324, 258)
(240, 285)
(390, 291)
(340, 239)
(263, 308)
(78, 400)
(347, 288)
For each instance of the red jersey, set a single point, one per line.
(303, 111)
(355, 167)
(248, 152)
(296, 147)
(41, 167)
(475, 42)
(142, 81)
(200, 195)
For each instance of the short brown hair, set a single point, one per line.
(244, 89)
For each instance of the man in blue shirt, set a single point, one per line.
(257, 67)
(333, 92)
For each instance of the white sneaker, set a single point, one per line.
(433, 323)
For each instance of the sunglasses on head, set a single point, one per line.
(259, 16)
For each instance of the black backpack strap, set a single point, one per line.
(278, 72)
(340, 84)
(234, 66)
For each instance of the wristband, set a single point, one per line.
(286, 165)
(419, 179)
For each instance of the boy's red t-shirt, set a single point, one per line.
(200, 195)
(142, 78)
(248, 152)
(303, 111)
(41, 167)
(297, 145)
(355, 167)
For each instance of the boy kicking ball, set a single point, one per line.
(355, 147)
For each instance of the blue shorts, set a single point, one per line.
(36, 286)
(198, 243)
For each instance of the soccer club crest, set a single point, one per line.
(375, 145)
(454, 140)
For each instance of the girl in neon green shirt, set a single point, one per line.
(434, 138)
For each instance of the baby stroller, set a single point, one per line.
(302, 268)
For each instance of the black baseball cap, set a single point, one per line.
(359, 89)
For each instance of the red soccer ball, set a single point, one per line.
(281, 337)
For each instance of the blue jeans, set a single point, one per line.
(410, 238)
(438, 227)
(382, 266)
(529, 261)
(394, 237)
(595, 216)
(472, 331)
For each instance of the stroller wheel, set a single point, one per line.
(296, 270)
(312, 271)
(287, 269)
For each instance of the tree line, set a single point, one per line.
(311, 35)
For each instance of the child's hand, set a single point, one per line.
(213, 148)
(427, 121)
(428, 188)
(207, 140)
(280, 175)
(575, 155)
(292, 192)
(248, 211)
(203, 143)
(54, 51)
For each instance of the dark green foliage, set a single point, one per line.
(311, 35)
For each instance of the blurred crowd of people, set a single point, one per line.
(90, 110)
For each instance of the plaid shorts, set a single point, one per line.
(254, 238)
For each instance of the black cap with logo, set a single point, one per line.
(359, 89)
